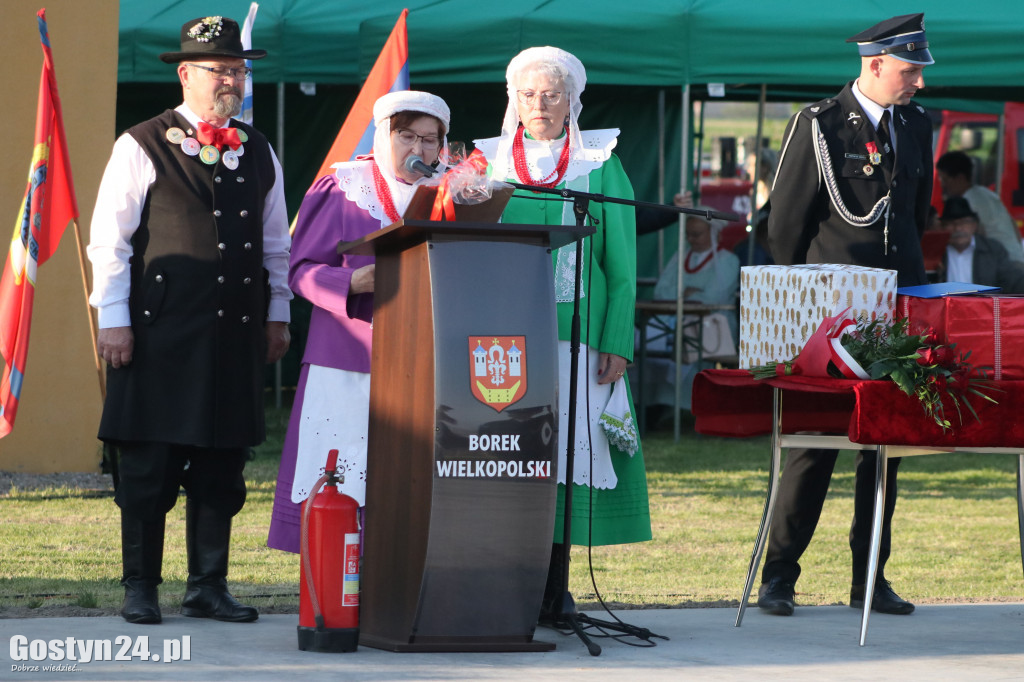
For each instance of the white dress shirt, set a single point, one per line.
(960, 265)
(874, 112)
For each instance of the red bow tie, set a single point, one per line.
(218, 137)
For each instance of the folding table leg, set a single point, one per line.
(1020, 504)
(881, 470)
(769, 507)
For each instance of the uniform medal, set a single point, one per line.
(242, 136)
(230, 160)
(190, 146)
(873, 155)
(209, 155)
(868, 169)
(175, 135)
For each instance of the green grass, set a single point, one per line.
(954, 536)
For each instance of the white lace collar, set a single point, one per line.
(542, 156)
(355, 178)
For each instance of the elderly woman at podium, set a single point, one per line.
(331, 409)
(541, 144)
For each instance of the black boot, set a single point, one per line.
(142, 553)
(207, 538)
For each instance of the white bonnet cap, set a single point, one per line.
(411, 100)
(576, 75)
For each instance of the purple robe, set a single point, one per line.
(339, 328)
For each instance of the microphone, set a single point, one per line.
(414, 164)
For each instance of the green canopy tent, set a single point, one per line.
(460, 48)
(632, 51)
(646, 63)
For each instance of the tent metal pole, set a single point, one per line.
(752, 223)
(1001, 152)
(280, 157)
(683, 179)
(661, 172)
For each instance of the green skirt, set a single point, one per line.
(621, 514)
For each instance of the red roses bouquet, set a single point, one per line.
(938, 375)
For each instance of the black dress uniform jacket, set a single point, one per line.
(834, 216)
(808, 224)
(198, 299)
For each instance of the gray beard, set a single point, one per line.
(228, 106)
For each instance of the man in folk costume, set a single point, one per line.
(853, 186)
(189, 247)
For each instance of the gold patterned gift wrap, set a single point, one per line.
(782, 305)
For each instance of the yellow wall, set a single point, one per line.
(60, 405)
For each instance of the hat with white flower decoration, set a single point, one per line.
(211, 37)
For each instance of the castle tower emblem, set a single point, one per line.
(497, 367)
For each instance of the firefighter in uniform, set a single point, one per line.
(189, 245)
(853, 186)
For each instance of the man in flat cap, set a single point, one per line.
(970, 256)
(853, 186)
(189, 246)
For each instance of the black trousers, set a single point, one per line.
(151, 474)
(802, 490)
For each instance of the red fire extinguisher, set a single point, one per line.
(329, 577)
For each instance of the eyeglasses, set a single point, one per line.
(239, 73)
(408, 138)
(550, 97)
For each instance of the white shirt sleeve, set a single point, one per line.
(117, 214)
(277, 246)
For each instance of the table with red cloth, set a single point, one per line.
(820, 412)
(649, 311)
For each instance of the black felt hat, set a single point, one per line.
(211, 37)
(956, 208)
(901, 37)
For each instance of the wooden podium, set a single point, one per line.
(461, 478)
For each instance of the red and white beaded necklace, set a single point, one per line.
(523, 171)
(384, 194)
(691, 270)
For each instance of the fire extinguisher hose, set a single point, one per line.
(306, 562)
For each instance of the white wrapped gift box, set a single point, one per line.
(782, 305)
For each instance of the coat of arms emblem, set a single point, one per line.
(497, 369)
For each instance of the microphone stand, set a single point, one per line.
(566, 615)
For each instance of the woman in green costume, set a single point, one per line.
(541, 144)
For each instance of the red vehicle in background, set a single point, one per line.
(996, 142)
(733, 196)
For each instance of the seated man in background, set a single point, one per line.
(973, 257)
(956, 173)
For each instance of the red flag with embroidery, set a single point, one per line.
(48, 207)
(390, 73)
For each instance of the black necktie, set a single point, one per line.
(885, 139)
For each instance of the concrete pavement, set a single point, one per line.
(937, 642)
